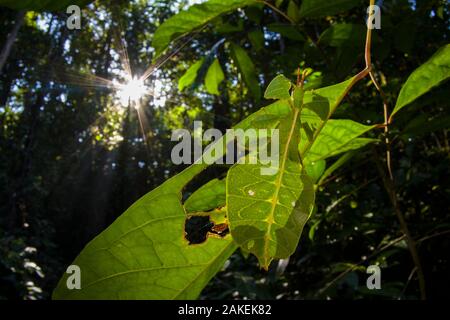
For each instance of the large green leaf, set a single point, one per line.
(144, 255)
(278, 88)
(42, 5)
(267, 212)
(191, 19)
(214, 77)
(427, 76)
(320, 8)
(247, 69)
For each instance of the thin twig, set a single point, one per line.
(390, 189)
(433, 236)
(274, 8)
(414, 270)
(385, 125)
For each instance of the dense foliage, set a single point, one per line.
(73, 159)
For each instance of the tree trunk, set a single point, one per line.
(11, 39)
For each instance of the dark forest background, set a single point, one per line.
(70, 162)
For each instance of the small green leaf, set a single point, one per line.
(297, 96)
(247, 69)
(214, 77)
(427, 76)
(207, 197)
(190, 75)
(293, 11)
(256, 38)
(192, 18)
(337, 137)
(279, 88)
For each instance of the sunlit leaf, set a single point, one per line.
(317, 109)
(427, 76)
(267, 213)
(209, 196)
(278, 88)
(190, 75)
(143, 254)
(214, 77)
(337, 137)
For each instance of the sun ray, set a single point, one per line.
(64, 76)
(163, 60)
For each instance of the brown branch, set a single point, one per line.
(385, 125)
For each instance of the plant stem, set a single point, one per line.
(390, 189)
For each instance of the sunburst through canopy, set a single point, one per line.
(131, 91)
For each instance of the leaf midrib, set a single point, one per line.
(270, 218)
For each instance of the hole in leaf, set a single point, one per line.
(196, 229)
